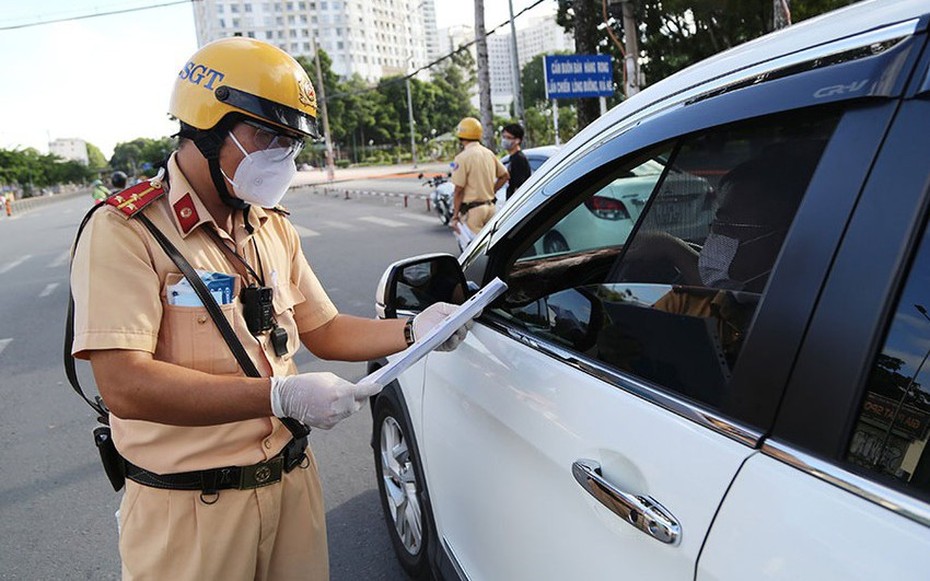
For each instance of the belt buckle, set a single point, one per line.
(261, 474)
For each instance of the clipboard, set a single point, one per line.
(438, 334)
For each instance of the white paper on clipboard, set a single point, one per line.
(438, 334)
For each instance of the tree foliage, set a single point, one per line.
(677, 33)
(95, 158)
(28, 170)
(371, 122)
(140, 155)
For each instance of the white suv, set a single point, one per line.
(735, 394)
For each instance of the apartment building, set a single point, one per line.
(71, 149)
(541, 35)
(371, 38)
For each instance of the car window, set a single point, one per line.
(890, 435)
(660, 262)
(535, 162)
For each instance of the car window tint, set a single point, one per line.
(890, 435)
(607, 215)
(663, 260)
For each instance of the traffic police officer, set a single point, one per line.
(477, 174)
(181, 411)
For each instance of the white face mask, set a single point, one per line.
(717, 255)
(262, 177)
(506, 143)
(715, 259)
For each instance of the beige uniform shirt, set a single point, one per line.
(475, 170)
(119, 279)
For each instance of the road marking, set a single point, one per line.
(4, 343)
(338, 225)
(383, 222)
(305, 232)
(61, 259)
(49, 288)
(432, 219)
(15, 263)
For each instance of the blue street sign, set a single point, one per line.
(579, 75)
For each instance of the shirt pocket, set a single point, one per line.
(286, 297)
(189, 337)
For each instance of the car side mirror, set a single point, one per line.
(409, 286)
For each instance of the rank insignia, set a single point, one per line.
(186, 213)
(133, 199)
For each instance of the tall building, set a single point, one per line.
(540, 36)
(71, 149)
(371, 38)
(455, 36)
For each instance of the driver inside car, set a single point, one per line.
(725, 277)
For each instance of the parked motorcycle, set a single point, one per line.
(441, 196)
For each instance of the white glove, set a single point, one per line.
(321, 400)
(432, 316)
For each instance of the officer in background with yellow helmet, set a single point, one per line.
(477, 174)
(218, 487)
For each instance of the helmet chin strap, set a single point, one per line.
(209, 143)
(219, 181)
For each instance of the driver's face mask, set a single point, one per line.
(717, 256)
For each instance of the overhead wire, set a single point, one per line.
(94, 15)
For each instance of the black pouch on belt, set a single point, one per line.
(113, 463)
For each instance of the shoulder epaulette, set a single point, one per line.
(135, 198)
(280, 210)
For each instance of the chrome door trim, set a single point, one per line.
(454, 560)
(643, 513)
(879, 494)
(706, 418)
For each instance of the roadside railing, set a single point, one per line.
(24, 205)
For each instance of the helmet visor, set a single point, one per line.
(265, 109)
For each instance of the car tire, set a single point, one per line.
(401, 487)
(554, 243)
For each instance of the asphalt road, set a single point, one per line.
(56, 506)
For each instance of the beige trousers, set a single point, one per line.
(478, 216)
(275, 532)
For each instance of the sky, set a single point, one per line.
(108, 79)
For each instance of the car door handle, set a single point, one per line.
(643, 512)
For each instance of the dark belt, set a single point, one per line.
(466, 206)
(215, 479)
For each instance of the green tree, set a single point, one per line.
(95, 158)
(335, 106)
(454, 81)
(141, 154)
(29, 170)
(679, 33)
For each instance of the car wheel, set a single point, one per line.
(401, 488)
(554, 243)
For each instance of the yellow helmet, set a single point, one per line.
(469, 128)
(246, 76)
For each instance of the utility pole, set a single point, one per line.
(321, 91)
(631, 56)
(781, 14)
(484, 77)
(413, 139)
(517, 81)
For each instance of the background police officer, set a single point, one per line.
(207, 495)
(477, 174)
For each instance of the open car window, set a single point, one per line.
(656, 265)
